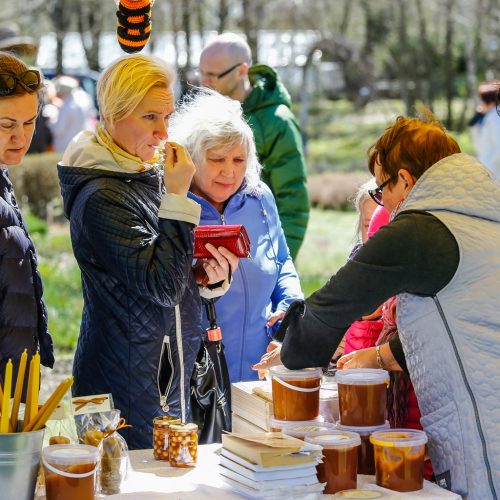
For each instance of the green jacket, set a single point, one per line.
(280, 150)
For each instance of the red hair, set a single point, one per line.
(414, 144)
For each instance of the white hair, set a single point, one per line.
(207, 120)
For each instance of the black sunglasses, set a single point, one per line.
(376, 194)
(29, 80)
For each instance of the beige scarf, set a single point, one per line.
(125, 160)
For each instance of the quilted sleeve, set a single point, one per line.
(153, 261)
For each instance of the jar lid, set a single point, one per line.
(334, 439)
(398, 438)
(359, 494)
(305, 429)
(363, 431)
(70, 454)
(306, 373)
(274, 422)
(362, 376)
(188, 427)
(166, 421)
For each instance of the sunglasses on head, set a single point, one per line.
(29, 81)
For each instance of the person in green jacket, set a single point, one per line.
(225, 66)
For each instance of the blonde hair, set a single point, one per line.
(125, 82)
(359, 199)
(207, 120)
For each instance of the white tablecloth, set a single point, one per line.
(152, 480)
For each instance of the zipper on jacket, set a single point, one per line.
(245, 290)
(163, 397)
(180, 350)
(471, 395)
(223, 219)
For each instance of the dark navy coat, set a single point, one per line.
(136, 267)
(23, 315)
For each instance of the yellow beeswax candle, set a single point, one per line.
(49, 406)
(29, 392)
(7, 387)
(19, 390)
(35, 387)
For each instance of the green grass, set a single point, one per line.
(62, 284)
(328, 242)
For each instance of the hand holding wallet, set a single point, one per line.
(233, 237)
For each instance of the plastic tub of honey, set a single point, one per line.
(70, 471)
(399, 458)
(366, 457)
(301, 430)
(276, 425)
(339, 468)
(295, 393)
(362, 396)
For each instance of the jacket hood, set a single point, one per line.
(85, 160)
(459, 184)
(267, 89)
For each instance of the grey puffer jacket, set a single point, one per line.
(140, 330)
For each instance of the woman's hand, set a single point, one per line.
(275, 317)
(178, 169)
(221, 265)
(271, 358)
(364, 358)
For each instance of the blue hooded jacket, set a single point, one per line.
(264, 283)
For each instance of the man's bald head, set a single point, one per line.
(224, 64)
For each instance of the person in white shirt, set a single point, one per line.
(485, 127)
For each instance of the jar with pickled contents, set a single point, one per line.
(399, 458)
(366, 458)
(295, 393)
(160, 436)
(339, 469)
(70, 471)
(183, 445)
(362, 396)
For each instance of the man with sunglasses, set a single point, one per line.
(225, 66)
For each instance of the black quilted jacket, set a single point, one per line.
(135, 269)
(23, 315)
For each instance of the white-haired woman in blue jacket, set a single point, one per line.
(227, 185)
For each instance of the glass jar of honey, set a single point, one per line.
(339, 468)
(362, 396)
(183, 444)
(295, 393)
(399, 458)
(160, 435)
(366, 457)
(70, 471)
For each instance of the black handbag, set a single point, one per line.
(210, 386)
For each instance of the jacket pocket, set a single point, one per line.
(446, 447)
(166, 372)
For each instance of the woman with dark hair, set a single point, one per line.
(439, 256)
(23, 315)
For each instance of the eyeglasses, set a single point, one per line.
(220, 75)
(29, 80)
(376, 194)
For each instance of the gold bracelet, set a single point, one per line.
(380, 363)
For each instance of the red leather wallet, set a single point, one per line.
(233, 237)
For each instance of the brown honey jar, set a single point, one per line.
(295, 393)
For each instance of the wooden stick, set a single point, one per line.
(19, 390)
(49, 406)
